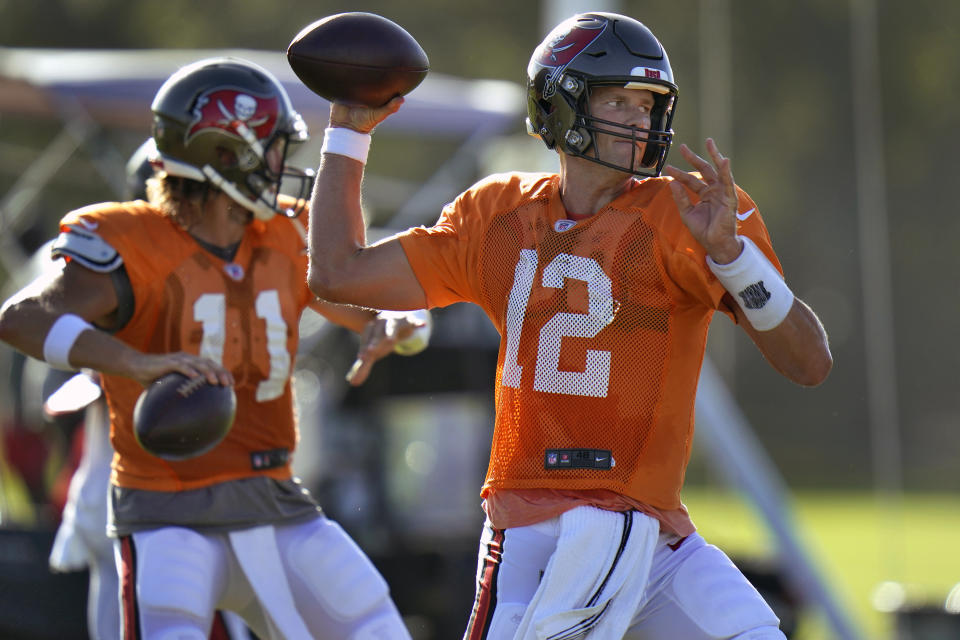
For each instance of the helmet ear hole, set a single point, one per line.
(226, 158)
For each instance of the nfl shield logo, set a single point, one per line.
(234, 270)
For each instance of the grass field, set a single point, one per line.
(856, 542)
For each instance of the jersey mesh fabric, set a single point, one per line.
(244, 314)
(603, 326)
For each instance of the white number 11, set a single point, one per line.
(210, 311)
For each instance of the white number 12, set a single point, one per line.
(594, 380)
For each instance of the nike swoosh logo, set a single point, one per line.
(746, 214)
(89, 224)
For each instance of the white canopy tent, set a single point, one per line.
(84, 92)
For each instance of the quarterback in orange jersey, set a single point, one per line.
(602, 281)
(207, 277)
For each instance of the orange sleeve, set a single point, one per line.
(445, 257)
(436, 257)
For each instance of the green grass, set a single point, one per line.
(856, 543)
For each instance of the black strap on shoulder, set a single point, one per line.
(125, 300)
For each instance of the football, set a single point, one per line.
(177, 417)
(357, 58)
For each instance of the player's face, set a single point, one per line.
(630, 107)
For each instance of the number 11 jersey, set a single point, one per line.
(243, 313)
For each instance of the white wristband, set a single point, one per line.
(61, 338)
(756, 285)
(346, 142)
(419, 339)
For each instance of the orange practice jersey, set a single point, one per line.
(244, 314)
(603, 325)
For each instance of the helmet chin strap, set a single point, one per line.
(260, 210)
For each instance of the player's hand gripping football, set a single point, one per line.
(148, 367)
(380, 338)
(360, 118)
(713, 219)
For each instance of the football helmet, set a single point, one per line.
(597, 49)
(230, 122)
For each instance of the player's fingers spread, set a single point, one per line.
(672, 171)
(694, 159)
(675, 173)
(714, 151)
(688, 154)
(727, 183)
(707, 170)
(690, 181)
(680, 196)
(721, 161)
(726, 176)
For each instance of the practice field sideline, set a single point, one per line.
(857, 542)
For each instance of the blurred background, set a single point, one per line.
(841, 502)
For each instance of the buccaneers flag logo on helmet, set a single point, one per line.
(225, 109)
(563, 45)
(559, 50)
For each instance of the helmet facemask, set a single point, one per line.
(579, 140)
(244, 173)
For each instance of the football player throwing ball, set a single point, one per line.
(602, 280)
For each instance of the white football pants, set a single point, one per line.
(694, 591)
(306, 581)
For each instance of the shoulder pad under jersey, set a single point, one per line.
(87, 248)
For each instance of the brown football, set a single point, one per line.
(177, 417)
(357, 58)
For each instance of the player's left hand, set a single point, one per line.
(713, 219)
(380, 338)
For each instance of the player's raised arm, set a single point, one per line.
(363, 64)
(342, 267)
